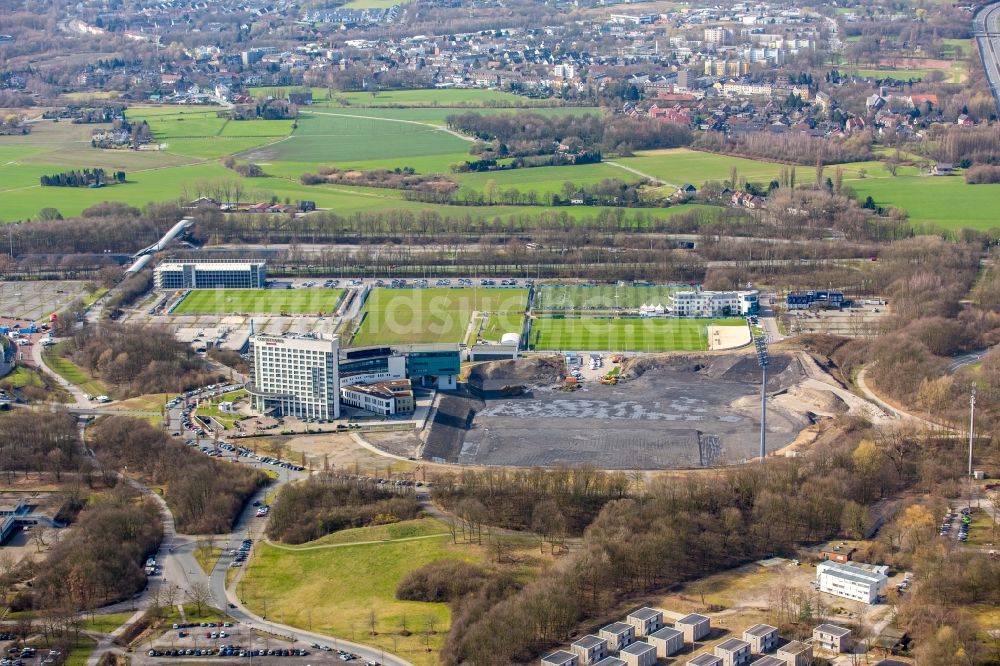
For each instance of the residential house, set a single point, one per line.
(694, 627)
(942, 169)
(705, 660)
(645, 620)
(638, 654)
(768, 660)
(733, 652)
(611, 661)
(761, 637)
(831, 637)
(667, 641)
(560, 658)
(618, 635)
(589, 650)
(796, 653)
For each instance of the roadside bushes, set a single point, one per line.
(205, 495)
(982, 175)
(326, 503)
(444, 580)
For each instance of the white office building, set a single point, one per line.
(295, 376)
(210, 275)
(852, 581)
(713, 303)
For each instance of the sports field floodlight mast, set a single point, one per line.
(763, 360)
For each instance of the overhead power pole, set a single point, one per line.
(972, 423)
(763, 359)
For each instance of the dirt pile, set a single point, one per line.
(783, 370)
(536, 370)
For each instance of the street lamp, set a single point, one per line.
(763, 360)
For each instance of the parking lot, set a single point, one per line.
(856, 322)
(35, 301)
(230, 641)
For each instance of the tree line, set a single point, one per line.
(82, 178)
(793, 147)
(205, 495)
(522, 134)
(668, 530)
(327, 503)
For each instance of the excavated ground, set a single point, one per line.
(669, 411)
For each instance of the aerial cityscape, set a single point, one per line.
(498, 332)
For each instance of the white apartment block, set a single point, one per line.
(713, 303)
(295, 376)
(210, 275)
(850, 581)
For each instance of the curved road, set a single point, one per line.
(987, 31)
(180, 569)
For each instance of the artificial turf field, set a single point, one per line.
(594, 334)
(602, 296)
(265, 301)
(409, 316)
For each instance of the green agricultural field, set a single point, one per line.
(946, 201)
(264, 301)
(623, 334)
(544, 180)
(682, 165)
(401, 316)
(601, 296)
(325, 138)
(333, 588)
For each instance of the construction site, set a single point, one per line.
(663, 411)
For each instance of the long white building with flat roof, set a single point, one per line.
(296, 376)
(713, 303)
(851, 581)
(210, 275)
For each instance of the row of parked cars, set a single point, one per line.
(226, 651)
(343, 655)
(240, 556)
(267, 460)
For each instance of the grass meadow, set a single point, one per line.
(406, 316)
(593, 334)
(333, 588)
(264, 301)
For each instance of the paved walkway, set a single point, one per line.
(79, 397)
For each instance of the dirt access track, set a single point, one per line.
(668, 411)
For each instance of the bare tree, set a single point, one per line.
(200, 595)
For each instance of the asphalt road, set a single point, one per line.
(988, 37)
(180, 571)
